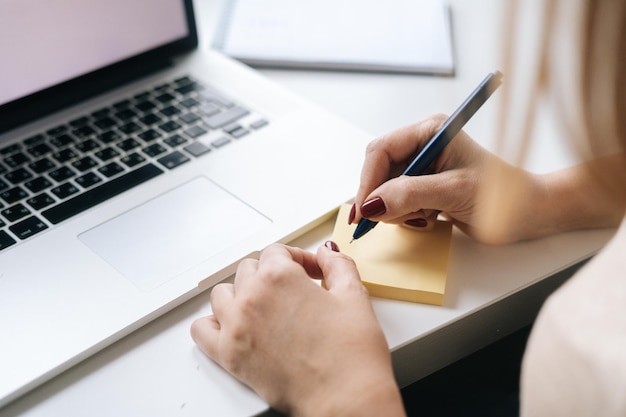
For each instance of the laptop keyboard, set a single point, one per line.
(54, 175)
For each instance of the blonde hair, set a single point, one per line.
(580, 59)
(579, 63)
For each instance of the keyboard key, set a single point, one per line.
(182, 80)
(39, 150)
(169, 126)
(209, 109)
(62, 140)
(64, 190)
(128, 144)
(84, 164)
(101, 193)
(145, 106)
(87, 145)
(42, 165)
(173, 160)
(109, 136)
(132, 159)
(227, 117)
(175, 140)
(219, 142)
(189, 102)
(19, 175)
(61, 174)
(165, 98)
(170, 111)
(130, 128)
(13, 195)
(154, 149)
(195, 131)
(238, 133)
(106, 154)
(189, 118)
(111, 169)
(149, 135)
(15, 212)
(10, 149)
(188, 88)
(3, 185)
(37, 184)
(150, 119)
(40, 201)
(162, 87)
(27, 228)
(125, 114)
(16, 159)
(105, 123)
(88, 180)
(33, 140)
(197, 148)
(64, 155)
(5, 240)
(259, 124)
(84, 132)
(231, 128)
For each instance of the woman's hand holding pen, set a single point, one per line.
(416, 201)
(484, 196)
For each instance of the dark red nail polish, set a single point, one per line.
(332, 246)
(374, 207)
(417, 222)
(352, 214)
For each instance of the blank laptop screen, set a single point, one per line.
(46, 42)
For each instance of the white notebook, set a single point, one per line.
(409, 36)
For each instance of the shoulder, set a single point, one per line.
(575, 362)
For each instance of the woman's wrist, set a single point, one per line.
(360, 396)
(570, 199)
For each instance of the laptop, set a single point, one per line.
(137, 170)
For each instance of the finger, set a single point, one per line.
(222, 298)
(339, 271)
(288, 256)
(423, 220)
(389, 155)
(448, 191)
(246, 271)
(205, 332)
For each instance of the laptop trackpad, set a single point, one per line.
(166, 236)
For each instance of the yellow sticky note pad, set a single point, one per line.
(398, 263)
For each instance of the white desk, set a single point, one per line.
(158, 371)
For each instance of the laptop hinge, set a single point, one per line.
(72, 92)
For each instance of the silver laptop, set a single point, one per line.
(136, 170)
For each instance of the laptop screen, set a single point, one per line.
(44, 43)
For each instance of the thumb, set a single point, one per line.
(339, 271)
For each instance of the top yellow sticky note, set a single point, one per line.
(398, 263)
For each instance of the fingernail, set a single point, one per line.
(352, 214)
(374, 207)
(332, 246)
(417, 222)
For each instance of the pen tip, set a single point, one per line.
(352, 241)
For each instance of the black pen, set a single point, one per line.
(448, 131)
